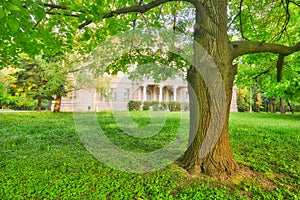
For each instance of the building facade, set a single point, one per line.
(122, 90)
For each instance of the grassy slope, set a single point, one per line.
(41, 156)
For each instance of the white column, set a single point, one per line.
(175, 93)
(233, 105)
(160, 92)
(144, 92)
(139, 94)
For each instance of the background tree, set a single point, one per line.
(261, 27)
(60, 73)
(261, 70)
(30, 82)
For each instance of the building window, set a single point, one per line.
(126, 95)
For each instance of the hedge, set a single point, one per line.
(156, 106)
(134, 105)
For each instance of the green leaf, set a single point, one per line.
(13, 7)
(82, 17)
(40, 14)
(86, 36)
(13, 24)
(2, 14)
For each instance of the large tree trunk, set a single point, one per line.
(211, 33)
(57, 104)
(39, 105)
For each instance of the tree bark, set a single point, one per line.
(282, 110)
(273, 106)
(57, 104)
(39, 105)
(211, 33)
(290, 109)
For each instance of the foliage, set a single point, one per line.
(185, 106)
(260, 22)
(43, 157)
(243, 99)
(146, 105)
(134, 105)
(40, 78)
(165, 105)
(155, 105)
(260, 71)
(103, 87)
(146, 63)
(29, 82)
(174, 106)
(59, 73)
(2, 93)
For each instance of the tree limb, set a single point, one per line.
(240, 48)
(234, 18)
(132, 9)
(67, 15)
(293, 2)
(262, 73)
(56, 6)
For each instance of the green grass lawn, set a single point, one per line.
(42, 157)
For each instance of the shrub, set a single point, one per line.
(155, 105)
(185, 106)
(243, 107)
(134, 105)
(165, 105)
(146, 105)
(174, 106)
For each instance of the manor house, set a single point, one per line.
(122, 89)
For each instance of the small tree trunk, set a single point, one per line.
(273, 106)
(282, 110)
(39, 105)
(289, 106)
(57, 104)
(256, 103)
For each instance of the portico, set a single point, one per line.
(162, 92)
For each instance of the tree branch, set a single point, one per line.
(234, 18)
(241, 21)
(132, 9)
(240, 48)
(56, 6)
(262, 73)
(293, 2)
(67, 15)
